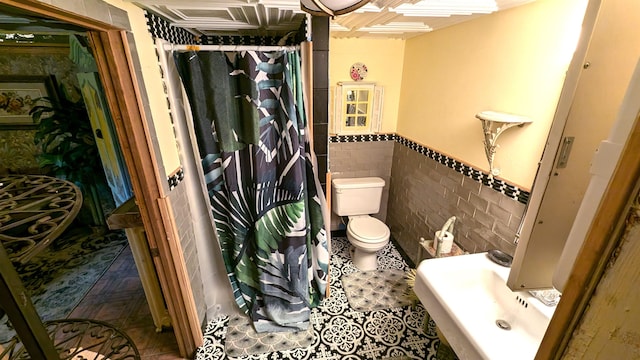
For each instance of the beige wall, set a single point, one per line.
(384, 60)
(512, 61)
(150, 72)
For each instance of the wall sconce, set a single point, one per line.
(331, 7)
(504, 121)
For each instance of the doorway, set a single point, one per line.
(111, 47)
(88, 271)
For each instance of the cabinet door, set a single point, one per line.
(357, 108)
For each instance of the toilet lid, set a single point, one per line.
(368, 228)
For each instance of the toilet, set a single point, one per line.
(357, 198)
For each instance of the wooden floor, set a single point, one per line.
(118, 299)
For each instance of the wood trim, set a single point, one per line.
(110, 50)
(148, 276)
(601, 240)
(327, 225)
(42, 9)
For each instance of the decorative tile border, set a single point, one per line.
(160, 28)
(240, 40)
(175, 179)
(252, 40)
(475, 174)
(362, 138)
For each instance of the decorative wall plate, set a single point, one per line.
(358, 71)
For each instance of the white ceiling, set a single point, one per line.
(277, 17)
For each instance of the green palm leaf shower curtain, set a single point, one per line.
(265, 195)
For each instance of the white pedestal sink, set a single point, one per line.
(480, 316)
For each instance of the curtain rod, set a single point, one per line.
(229, 47)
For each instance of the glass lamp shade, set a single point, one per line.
(331, 7)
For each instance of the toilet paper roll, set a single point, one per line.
(446, 241)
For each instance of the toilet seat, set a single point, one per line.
(368, 229)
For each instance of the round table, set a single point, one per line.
(34, 211)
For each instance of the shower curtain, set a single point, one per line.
(261, 177)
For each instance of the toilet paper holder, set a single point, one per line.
(443, 240)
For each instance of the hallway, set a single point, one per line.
(118, 299)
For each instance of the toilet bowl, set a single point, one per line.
(367, 235)
(357, 198)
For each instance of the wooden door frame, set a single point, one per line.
(602, 239)
(115, 68)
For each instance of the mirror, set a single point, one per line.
(584, 114)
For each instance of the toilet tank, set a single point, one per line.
(356, 196)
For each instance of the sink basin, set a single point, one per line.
(468, 298)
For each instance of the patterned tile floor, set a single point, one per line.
(344, 333)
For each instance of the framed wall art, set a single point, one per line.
(19, 94)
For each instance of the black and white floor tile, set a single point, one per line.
(342, 333)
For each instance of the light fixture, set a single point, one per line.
(331, 7)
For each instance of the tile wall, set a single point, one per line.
(184, 223)
(320, 32)
(362, 159)
(426, 188)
